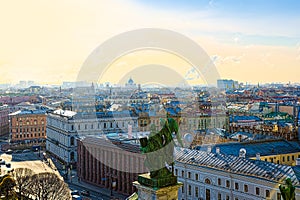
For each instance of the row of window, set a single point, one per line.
(196, 192)
(27, 129)
(288, 158)
(227, 183)
(35, 122)
(105, 125)
(29, 135)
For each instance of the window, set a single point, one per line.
(207, 181)
(182, 189)
(267, 193)
(236, 198)
(236, 186)
(176, 172)
(189, 174)
(227, 197)
(196, 191)
(92, 126)
(288, 158)
(78, 126)
(190, 190)
(196, 177)
(293, 157)
(278, 196)
(72, 156)
(257, 191)
(227, 183)
(245, 188)
(72, 127)
(72, 141)
(219, 196)
(104, 125)
(85, 126)
(207, 194)
(182, 173)
(283, 158)
(219, 181)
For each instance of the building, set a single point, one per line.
(217, 176)
(28, 126)
(245, 121)
(61, 135)
(110, 163)
(227, 84)
(64, 126)
(275, 151)
(4, 123)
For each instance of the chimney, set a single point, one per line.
(298, 162)
(242, 153)
(218, 150)
(258, 156)
(240, 138)
(209, 149)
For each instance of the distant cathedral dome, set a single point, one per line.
(130, 81)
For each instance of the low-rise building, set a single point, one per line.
(4, 123)
(217, 176)
(64, 126)
(111, 163)
(274, 151)
(28, 126)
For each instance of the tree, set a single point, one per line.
(48, 186)
(288, 192)
(7, 185)
(22, 177)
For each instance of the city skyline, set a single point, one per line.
(253, 41)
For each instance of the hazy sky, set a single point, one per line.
(48, 40)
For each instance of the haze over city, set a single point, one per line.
(249, 41)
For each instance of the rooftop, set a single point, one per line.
(237, 165)
(264, 147)
(28, 112)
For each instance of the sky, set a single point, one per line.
(249, 41)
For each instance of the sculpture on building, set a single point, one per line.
(287, 191)
(159, 150)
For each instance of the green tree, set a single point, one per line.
(288, 190)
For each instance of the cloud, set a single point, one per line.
(219, 60)
(191, 74)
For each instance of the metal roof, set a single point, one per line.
(237, 165)
(264, 147)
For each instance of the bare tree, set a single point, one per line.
(22, 178)
(48, 186)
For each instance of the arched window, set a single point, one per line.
(207, 181)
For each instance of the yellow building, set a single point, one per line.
(276, 151)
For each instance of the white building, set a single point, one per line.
(64, 127)
(211, 176)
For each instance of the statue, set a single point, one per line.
(288, 193)
(159, 150)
